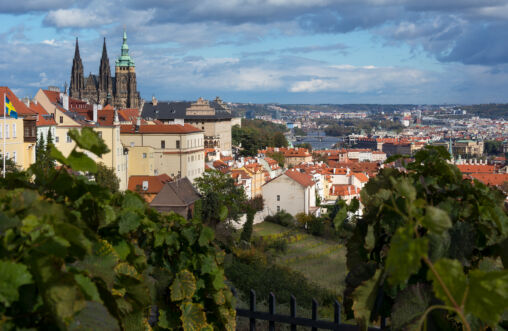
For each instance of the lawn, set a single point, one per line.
(321, 261)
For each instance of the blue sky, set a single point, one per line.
(286, 51)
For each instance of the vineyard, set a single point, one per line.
(321, 261)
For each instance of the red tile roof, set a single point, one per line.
(155, 183)
(476, 168)
(490, 179)
(43, 118)
(20, 106)
(160, 128)
(343, 190)
(300, 177)
(361, 177)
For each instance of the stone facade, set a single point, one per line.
(119, 91)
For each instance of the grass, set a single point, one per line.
(321, 261)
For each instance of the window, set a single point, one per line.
(68, 138)
(56, 139)
(163, 144)
(178, 144)
(278, 208)
(14, 130)
(144, 155)
(6, 130)
(61, 119)
(278, 197)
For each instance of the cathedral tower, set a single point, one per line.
(126, 94)
(77, 77)
(105, 80)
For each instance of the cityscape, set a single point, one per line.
(139, 192)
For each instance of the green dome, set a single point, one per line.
(125, 60)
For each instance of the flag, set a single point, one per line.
(9, 109)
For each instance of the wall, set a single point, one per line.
(291, 196)
(14, 145)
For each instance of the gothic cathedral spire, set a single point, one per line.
(105, 81)
(77, 77)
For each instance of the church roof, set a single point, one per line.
(177, 110)
(125, 59)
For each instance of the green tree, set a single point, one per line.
(305, 145)
(279, 140)
(106, 177)
(221, 198)
(40, 148)
(73, 255)
(277, 156)
(439, 251)
(247, 227)
(50, 161)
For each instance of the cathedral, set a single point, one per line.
(119, 91)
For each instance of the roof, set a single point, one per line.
(178, 110)
(128, 115)
(361, 177)
(43, 118)
(178, 193)
(20, 106)
(159, 128)
(344, 190)
(155, 183)
(476, 168)
(300, 177)
(491, 179)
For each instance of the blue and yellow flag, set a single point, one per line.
(9, 109)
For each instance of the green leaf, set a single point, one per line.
(409, 306)
(94, 317)
(223, 213)
(436, 220)
(183, 287)
(364, 298)
(339, 218)
(193, 317)
(12, 276)
(488, 295)
(189, 234)
(452, 275)
(89, 140)
(57, 155)
(405, 254)
(168, 320)
(79, 161)
(404, 187)
(129, 221)
(88, 287)
(66, 300)
(208, 265)
(205, 236)
(133, 202)
(122, 249)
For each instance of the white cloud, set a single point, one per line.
(76, 18)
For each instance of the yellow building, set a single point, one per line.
(177, 149)
(20, 133)
(104, 121)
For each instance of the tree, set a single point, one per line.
(277, 156)
(50, 161)
(305, 145)
(73, 255)
(438, 242)
(40, 148)
(247, 227)
(221, 198)
(279, 140)
(106, 177)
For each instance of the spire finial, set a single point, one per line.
(76, 50)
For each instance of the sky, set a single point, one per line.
(263, 51)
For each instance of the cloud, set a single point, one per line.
(24, 6)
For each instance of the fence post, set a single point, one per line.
(314, 312)
(252, 320)
(271, 310)
(292, 310)
(336, 314)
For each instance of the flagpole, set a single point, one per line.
(3, 130)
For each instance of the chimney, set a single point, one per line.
(154, 100)
(138, 124)
(64, 100)
(116, 120)
(349, 190)
(95, 108)
(26, 101)
(145, 185)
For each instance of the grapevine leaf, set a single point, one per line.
(132, 202)
(12, 276)
(205, 236)
(193, 317)
(223, 213)
(122, 249)
(66, 300)
(452, 275)
(405, 188)
(436, 220)
(183, 286)
(89, 140)
(168, 320)
(409, 305)
(79, 161)
(129, 221)
(88, 287)
(488, 295)
(364, 298)
(189, 234)
(94, 317)
(57, 155)
(405, 255)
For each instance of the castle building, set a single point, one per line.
(119, 91)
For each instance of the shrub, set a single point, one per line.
(282, 218)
